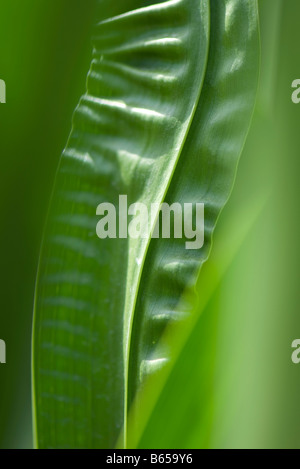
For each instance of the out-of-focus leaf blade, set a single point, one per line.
(197, 335)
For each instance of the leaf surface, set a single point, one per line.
(149, 129)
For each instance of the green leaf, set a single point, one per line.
(156, 401)
(147, 128)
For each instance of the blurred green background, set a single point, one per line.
(234, 379)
